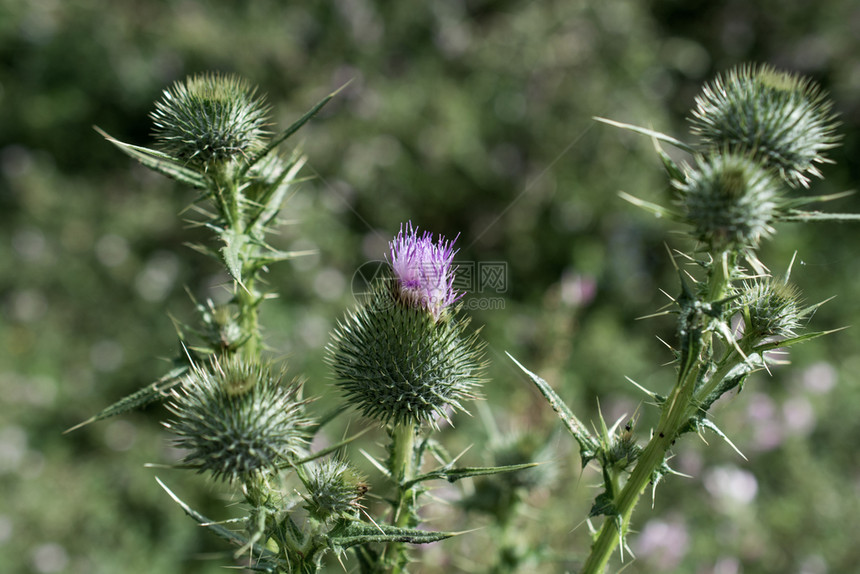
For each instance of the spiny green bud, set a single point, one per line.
(729, 200)
(209, 119)
(236, 420)
(770, 308)
(335, 489)
(776, 117)
(622, 450)
(399, 363)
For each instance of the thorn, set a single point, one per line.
(641, 388)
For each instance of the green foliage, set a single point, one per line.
(454, 112)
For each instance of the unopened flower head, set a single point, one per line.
(777, 117)
(771, 308)
(334, 488)
(423, 270)
(237, 420)
(210, 118)
(730, 201)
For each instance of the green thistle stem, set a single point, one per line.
(248, 301)
(680, 406)
(402, 471)
(652, 457)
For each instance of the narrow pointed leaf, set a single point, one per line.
(147, 395)
(796, 215)
(656, 209)
(281, 137)
(651, 133)
(275, 200)
(794, 340)
(675, 172)
(217, 529)
(797, 202)
(328, 417)
(709, 424)
(455, 474)
(231, 252)
(347, 534)
(160, 162)
(588, 445)
(328, 450)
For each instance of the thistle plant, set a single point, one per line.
(405, 358)
(761, 134)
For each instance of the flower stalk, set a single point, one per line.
(762, 133)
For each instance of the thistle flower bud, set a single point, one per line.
(423, 270)
(335, 489)
(729, 200)
(399, 357)
(209, 119)
(237, 420)
(776, 117)
(770, 309)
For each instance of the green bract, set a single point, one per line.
(399, 365)
(777, 117)
(729, 200)
(237, 420)
(210, 118)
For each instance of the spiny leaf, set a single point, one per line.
(328, 450)
(658, 210)
(795, 215)
(794, 340)
(709, 424)
(455, 474)
(232, 251)
(351, 533)
(675, 172)
(218, 529)
(588, 445)
(651, 133)
(148, 394)
(281, 137)
(603, 505)
(275, 200)
(158, 161)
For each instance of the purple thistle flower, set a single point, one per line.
(423, 269)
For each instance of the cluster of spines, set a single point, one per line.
(399, 365)
(210, 118)
(778, 118)
(236, 420)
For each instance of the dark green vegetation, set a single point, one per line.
(467, 117)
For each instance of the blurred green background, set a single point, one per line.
(470, 117)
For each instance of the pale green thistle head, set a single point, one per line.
(237, 420)
(210, 119)
(335, 489)
(770, 309)
(776, 117)
(730, 200)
